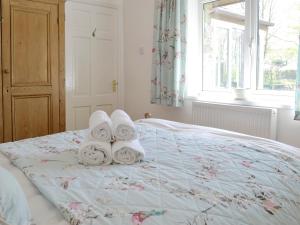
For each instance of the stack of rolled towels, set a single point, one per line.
(111, 139)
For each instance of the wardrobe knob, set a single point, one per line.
(6, 71)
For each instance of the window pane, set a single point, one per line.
(223, 43)
(279, 32)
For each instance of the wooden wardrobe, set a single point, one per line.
(32, 65)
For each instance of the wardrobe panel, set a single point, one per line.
(31, 52)
(81, 18)
(105, 52)
(108, 108)
(104, 64)
(81, 116)
(32, 114)
(106, 23)
(82, 65)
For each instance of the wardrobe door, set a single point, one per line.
(30, 69)
(93, 66)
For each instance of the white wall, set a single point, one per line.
(138, 28)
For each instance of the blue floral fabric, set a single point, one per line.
(190, 176)
(169, 53)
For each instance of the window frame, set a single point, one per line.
(251, 54)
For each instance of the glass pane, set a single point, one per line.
(223, 41)
(279, 32)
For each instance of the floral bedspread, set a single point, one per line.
(188, 178)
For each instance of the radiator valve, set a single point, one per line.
(147, 115)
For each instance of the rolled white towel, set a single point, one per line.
(100, 127)
(127, 152)
(123, 127)
(92, 153)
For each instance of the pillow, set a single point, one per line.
(14, 209)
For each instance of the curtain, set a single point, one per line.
(297, 108)
(169, 53)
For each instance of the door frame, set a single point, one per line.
(4, 63)
(61, 65)
(118, 6)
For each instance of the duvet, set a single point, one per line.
(190, 176)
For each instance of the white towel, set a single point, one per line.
(122, 126)
(100, 127)
(127, 152)
(92, 153)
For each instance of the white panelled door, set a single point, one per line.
(92, 61)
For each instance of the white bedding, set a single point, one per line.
(43, 212)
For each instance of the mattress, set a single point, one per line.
(191, 175)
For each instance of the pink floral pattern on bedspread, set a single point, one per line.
(189, 178)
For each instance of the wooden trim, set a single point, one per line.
(55, 2)
(62, 93)
(1, 100)
(6, 65)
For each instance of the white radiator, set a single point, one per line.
(256, 121)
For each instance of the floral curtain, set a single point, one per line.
(297, 108)
(169, 53)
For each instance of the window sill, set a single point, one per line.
(257, 100)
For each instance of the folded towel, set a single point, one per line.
(100, 127)
(92, 153)
(122, 126)
(127, 152)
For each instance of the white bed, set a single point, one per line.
(44, 213)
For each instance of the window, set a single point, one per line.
(247, 44)
(279, 32)
(223, 43)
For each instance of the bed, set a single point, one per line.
(191, 175)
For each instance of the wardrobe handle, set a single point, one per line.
(114, 85)
(94, 32)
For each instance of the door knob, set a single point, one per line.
(114, 85)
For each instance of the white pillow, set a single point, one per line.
(14, 208)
